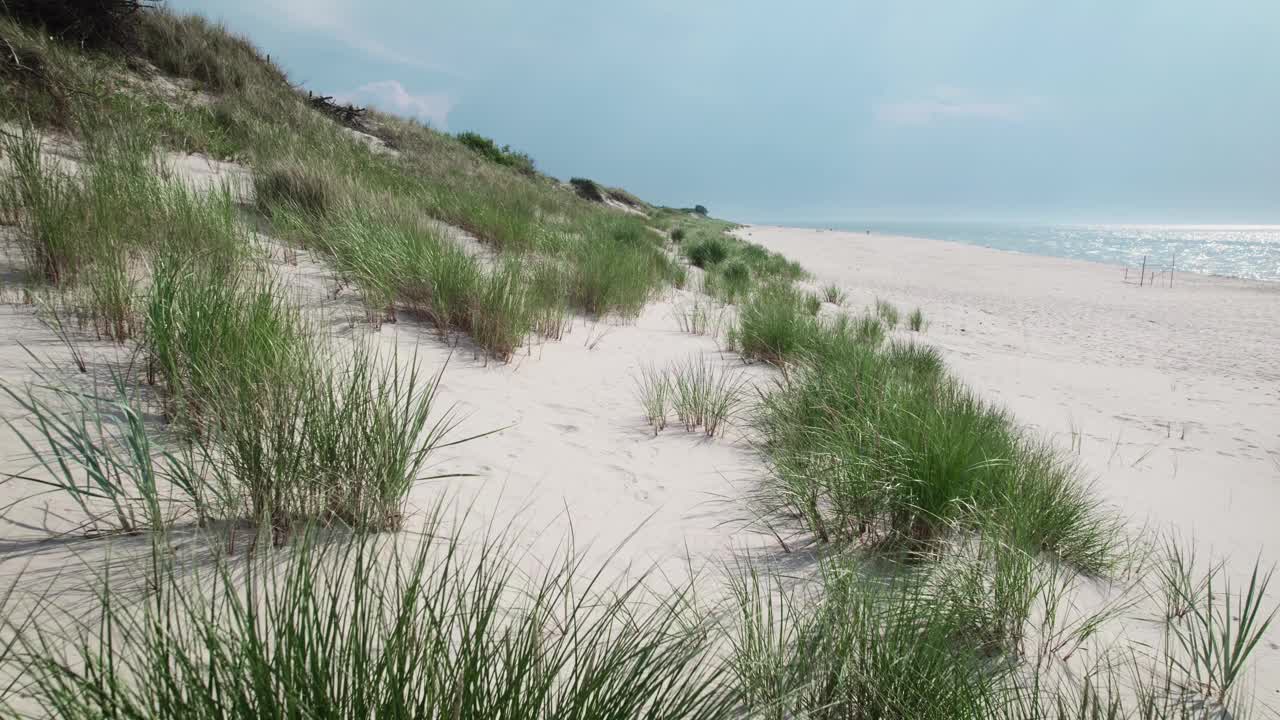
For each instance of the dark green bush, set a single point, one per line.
(504, 155)
(87, 23)
(677, 235)
(587, 189)
(706, 252)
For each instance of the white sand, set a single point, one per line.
(1172, 395)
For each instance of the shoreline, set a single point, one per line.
(1104, 263)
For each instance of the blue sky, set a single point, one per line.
(1117, 110)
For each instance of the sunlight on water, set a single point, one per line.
(1246, 251)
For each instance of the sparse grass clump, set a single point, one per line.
(833, 294)
(887, 312)
(694, 318)
(706, 396)
(702, 395)
(915, 321)
(653, 388)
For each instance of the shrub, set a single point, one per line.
(677, 235)
(700, 210)
(587, 189)
(504, 155)
(707, 251)
(86, 23)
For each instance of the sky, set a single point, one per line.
(1080, 111)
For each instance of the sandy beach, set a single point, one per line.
(1170, 397)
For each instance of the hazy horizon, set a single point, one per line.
(1152, 111)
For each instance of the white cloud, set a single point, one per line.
(390, 95)
(339, 20)
(947, 103)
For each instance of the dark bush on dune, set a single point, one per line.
(587, 189)
(504, 155)
(88, 23)
(677, 235)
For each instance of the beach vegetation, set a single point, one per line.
(706, 396)
(369, 628)
(489, 150)
(707, 251)
(587, 189)
(887, 312)
(950, 536)
(915, 321)
(653, 388)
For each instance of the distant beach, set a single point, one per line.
(1240, 251)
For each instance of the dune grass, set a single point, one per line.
(701, 395)
(706, 251)
(364, 628)
(653, 389)
(774, 324)
(291, 431)
(869, 444)
(90, 233)
(887, 312)
(698, 317)
(985, 632)
(706, 396)
(915, 321)
(833, 294)
(880, 444)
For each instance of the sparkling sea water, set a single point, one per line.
(1243, 251)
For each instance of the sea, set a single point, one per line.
(1242, 251)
